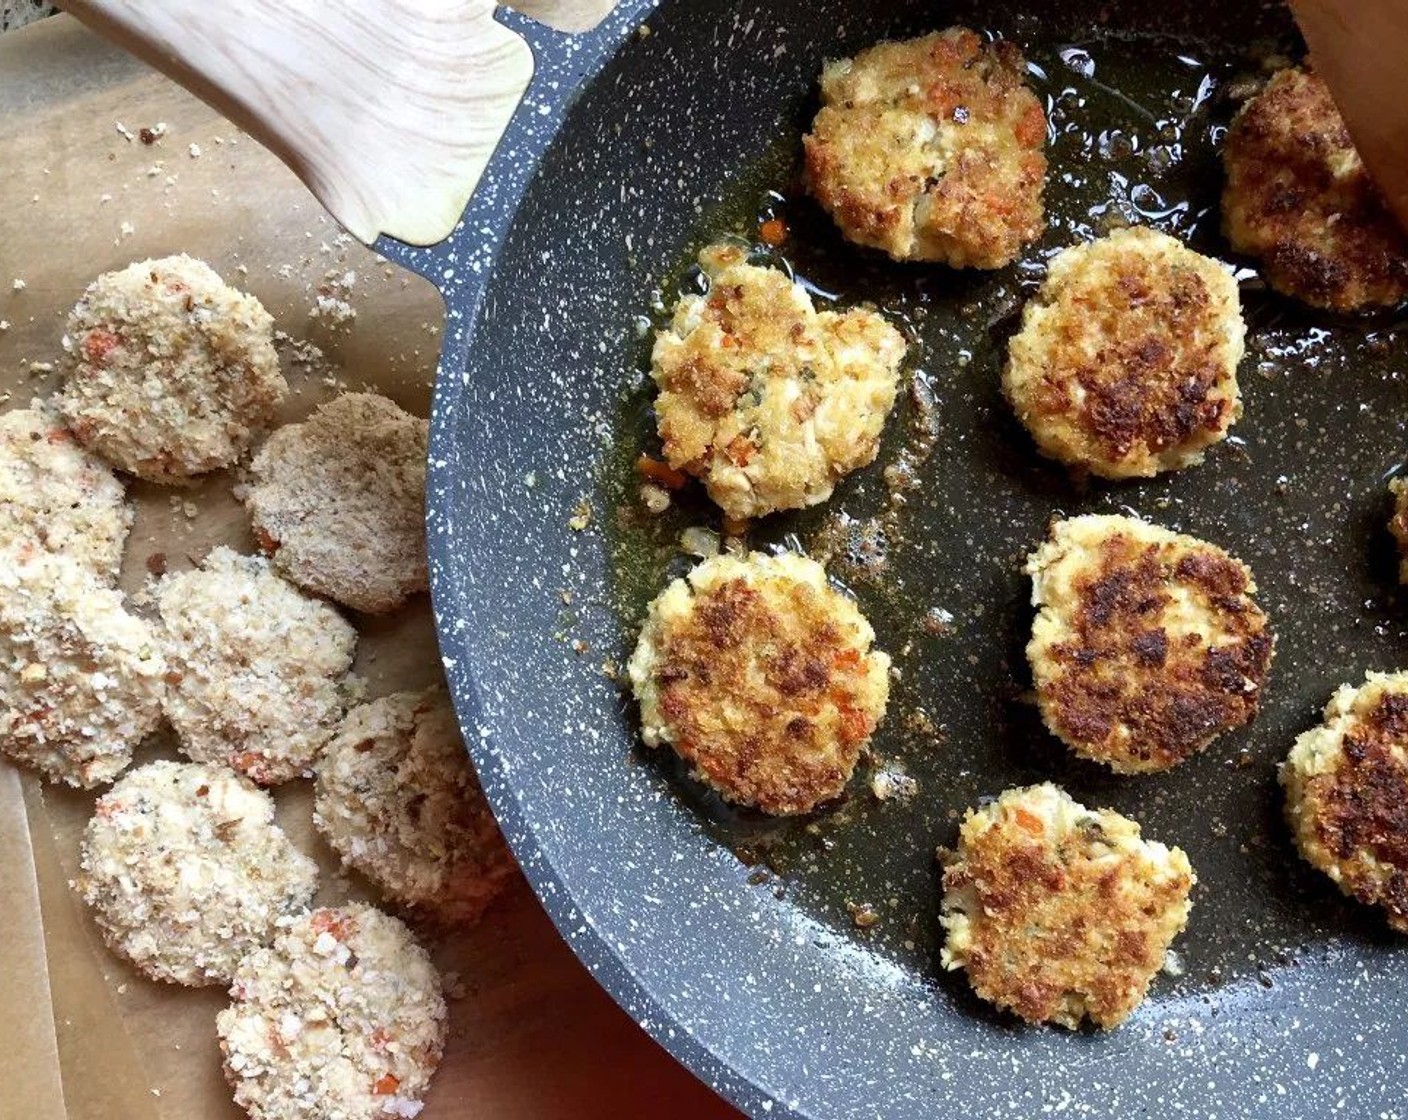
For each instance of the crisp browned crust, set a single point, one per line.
(1126, 363)
(931, 149)
(1059, 913)
(762, 678)
(1298, 198)
(1347, 794)
(1148, 644)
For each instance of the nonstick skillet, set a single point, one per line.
(794, 966)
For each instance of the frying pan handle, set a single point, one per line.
(372, 103)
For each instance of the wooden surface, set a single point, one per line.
(532, 1036)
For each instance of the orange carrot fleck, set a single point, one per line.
(1029, 821)
(773, 232)
(662, 473)
(386, 1085)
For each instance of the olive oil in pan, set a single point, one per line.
(931, 538)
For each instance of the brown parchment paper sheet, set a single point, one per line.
(81, 1034)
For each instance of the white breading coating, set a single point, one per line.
(58, 496)
(81, 679)
(765, 399)
(397, 798)
(342, 1018)
(171, 371)
(187, 872)
(339, 502)
(258, 669)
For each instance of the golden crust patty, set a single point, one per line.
(764, 398)
(1346, 787)
(1058, 912)
(1147, 644)
(931, 149)
(1126, 362)
(1298, 198)
(761, 676)
(1398, 524)
(397, 797)
(58, 496)
(171, 371)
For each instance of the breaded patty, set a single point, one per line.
(258, 670)
(1147, 644)
(56, 496)
(339, 502)
(171, 372)
(1298, 198)
(399, 801)
(81, 679)
(1398, 524)
(1126, 361)
(764, 398)
(186, 871)
(931, 149)
(761, 676)
(342, 1018)
(1058, 912)
(1346, 787)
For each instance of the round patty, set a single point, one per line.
(1058, 912)
(1126, 361)
(186, 871)
(81, 680)
(257, 668)
(1298, 198)
(1147, 644)
(171, 372)
(931, 149)
(58, 497)
(761, 676)
(1346, 787)
(342, 1018)
(399, 801)
(339, 502)
(764, 398)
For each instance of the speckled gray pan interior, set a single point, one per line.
(729, 938)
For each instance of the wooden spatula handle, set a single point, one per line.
(372, 103)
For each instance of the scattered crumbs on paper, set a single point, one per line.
(123, 131)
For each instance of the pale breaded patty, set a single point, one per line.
(57, 496)
(1060, 913)
(764, 398)
(1147, 644)
(761, 676)
(397, 798)
(186, 871)
(1126, 361)
(338, 501)
(171, 372)
(342, 1018)
(1346, 787)
(1298, 198)
(931, 149)
(1398, 524)
(81, 679)
(258, 670)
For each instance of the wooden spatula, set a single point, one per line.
(1360, 48)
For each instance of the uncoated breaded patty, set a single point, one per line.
(1147, 644)
(1126, 361)
(338, 501)
(931, 149)
(764, 398)
(397, 797)
(1346, 785)
(1298, 198)
(81, 679)
(258, 669)
(1058, 912)
(57, 496)
(186, 871)
(761, 676)
(342, 1018)
(171, 372)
